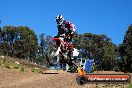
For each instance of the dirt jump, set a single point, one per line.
(10, 78)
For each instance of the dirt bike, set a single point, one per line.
(63, 52)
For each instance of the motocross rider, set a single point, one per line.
(65, 29)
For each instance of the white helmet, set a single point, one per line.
(59, 19)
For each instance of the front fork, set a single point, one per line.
(67, 59)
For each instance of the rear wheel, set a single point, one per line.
(54, 59)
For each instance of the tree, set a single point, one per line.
(8, 34)
(42, 43)
(125, 50)
(45, 50)
(26, 43)
(41, 51)
(97, 47)
(48, 49)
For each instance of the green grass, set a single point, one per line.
(17, 66)
(7, 65)
(130, 85)
(12, 65)
(1, 63)
(38, 70)
(21, 67)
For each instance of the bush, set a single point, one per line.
(16, 66)
(130, 85)
(38, 70)
(7, 65)
(22, 68)
(116, 69)
(19, 66)
(33, 69)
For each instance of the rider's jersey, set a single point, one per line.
(70, 27)
(66, 27)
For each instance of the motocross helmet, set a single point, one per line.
(59, 19)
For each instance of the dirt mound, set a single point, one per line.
(13, 78)
(21, 61)
(16, 79)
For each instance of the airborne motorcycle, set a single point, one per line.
(64, 52)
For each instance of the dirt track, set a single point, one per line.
(17, 79)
